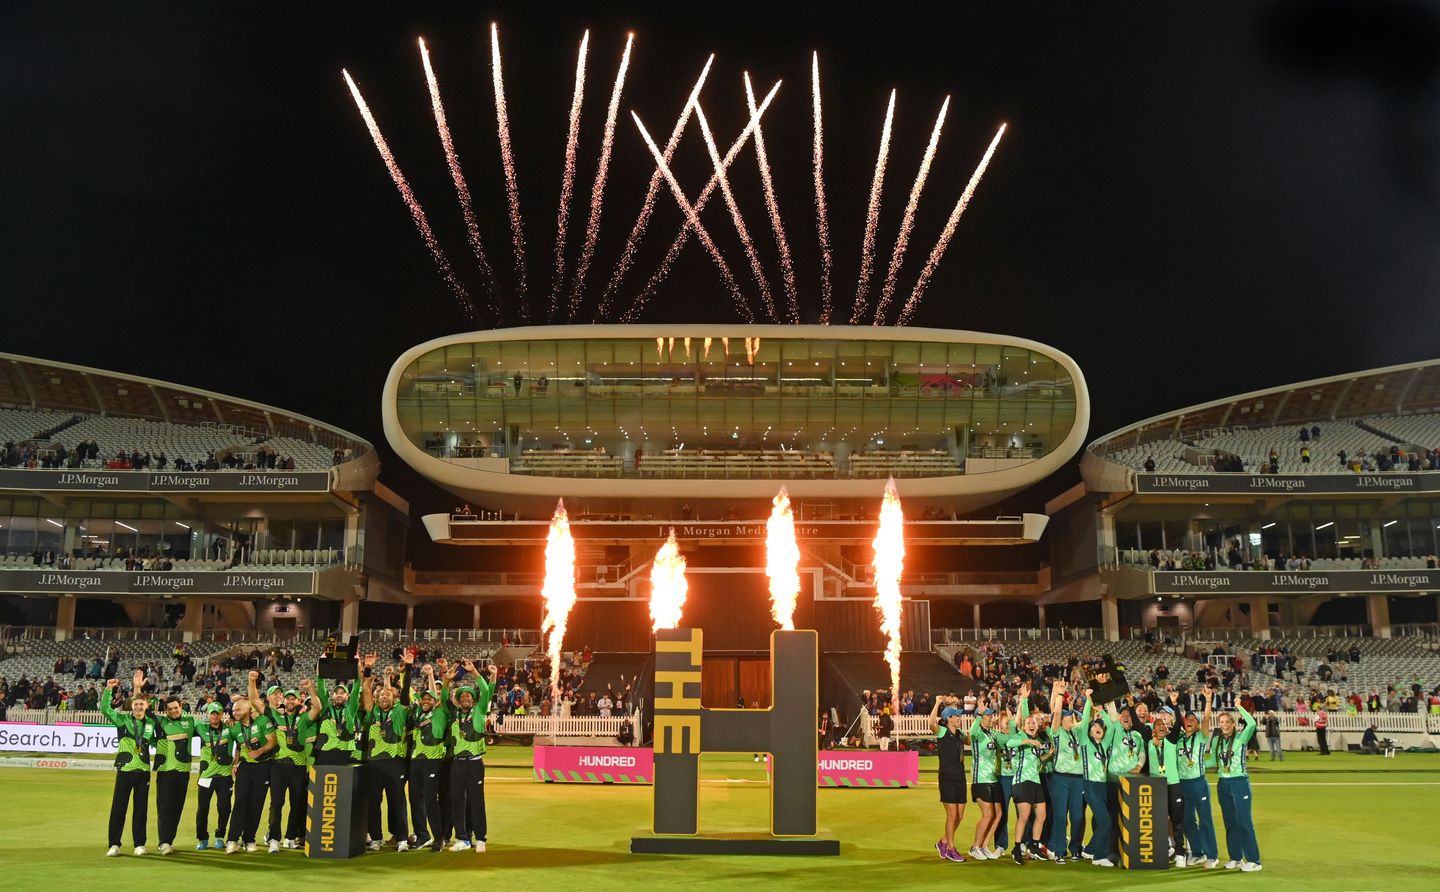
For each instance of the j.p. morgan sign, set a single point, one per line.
(122, 582)
(1264, 582)
(102, 480)
(1325, 484)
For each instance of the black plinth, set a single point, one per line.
(735, 844)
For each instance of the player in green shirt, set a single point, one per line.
(428, 730)
(1004, 727)
(471, 704)
(217, 758)
(1192, 756)
(1162, 761)
(294, 736)
(1067, 783)
(1127, 754)
(1030, 746)
(1097, 747)
(337, 717)
(255, 737)
(172, 768)
(985, 751)
(1233, 790)
(136, 734)
(386, 723)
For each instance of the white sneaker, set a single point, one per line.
(1088, 856)
(460, 845)
(274, 846)
(479, 845)
(1212, 863)
(373, 845)
(139, 850)
(231, 848)
(166, 848)
(1231, 865)
(977, 854)
(403, 846)
(1179, 860)
(995, 854)
(1250, 867)
(112, 851)
(1103, 862)
(251, 847)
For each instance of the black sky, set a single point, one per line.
(1191, 203)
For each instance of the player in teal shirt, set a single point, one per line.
(136, 734)
(1067, 783)
(1162, 761)
(1099, 741)
(1233, 790)
(471, 704)
(1193, 755)
(986, 752)
(1031, 747)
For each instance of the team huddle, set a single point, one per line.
(1056, 758)
(418, 732)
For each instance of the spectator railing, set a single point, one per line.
(907, 726)
(1384, 722)
(429, 636)
(963, 636)
(561, 726)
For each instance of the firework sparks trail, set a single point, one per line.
(567, 183)
(667, 585)
(683, 237)
(948, 232)
(787, 268)
(782, 560)
(462, 190)
(872, 216)
(558, 590)
(647, 207)
(707, 347)
(907, 221)
(659, 349)
(822, 213)
(749, 352)
(687, 349)
(725, 343)
(507, 161)
(602, 173)
(746, 242)
(694, 217)
(889, 563)
(417, 213)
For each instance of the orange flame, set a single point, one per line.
(782, 558)
(889, 563)
(667, 585)
(558, 590)
(707, 347)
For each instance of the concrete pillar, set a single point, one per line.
(1377, 613)
(1260, 618)
(1040, 615)
(192, 624)
(65, 618)
(410, 618)
(349, 617)
(475, 616)
(1110, 617)
(977, 614)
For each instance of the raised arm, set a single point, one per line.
(317, 702)
(257, 703)
(935, 714)
(1205, 723)
(367, 684)
(1249, 730)
(106, 707)
(1057, 703)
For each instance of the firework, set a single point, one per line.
(707, 347)
(597, 192)
(687, 349)
(659, 349)
(683, 237)
(507, 161)
(822, 214)
(462, 190)
(782, 560)
(948, 232)
(725, 343)
(693, 216)
(755, 269)
(558, 590)
(889, 563)
(872, 215)
(667, 585)
(787, 268)
(417, 213)
(907, 221)
(567, 183)
(647, 207)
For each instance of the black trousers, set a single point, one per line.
(170, 790)
(467, 798)
(444, 786)
(1320, 734)
(425, 799)
(1177, 816)
(130, 785)
(387, 779)
(287, 777)
(219, 790)
(251, 781)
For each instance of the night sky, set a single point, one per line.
(1192, 204)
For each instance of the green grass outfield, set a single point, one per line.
(1339, 824)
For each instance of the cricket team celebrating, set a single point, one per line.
(418, 734)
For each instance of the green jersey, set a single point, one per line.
(1027, 757)
(1096, 755)
(1230, 752)
(1127, 750)
(1193, 755)
(427, 732)
(385, 732)
(985, 751)
(294, 735)
(251, 736)
(1069, 756)
(339, 726)
(217, 750)
(1163, 760)
(135, 738)
(467, 728)
(172, 750)
(1007, 749)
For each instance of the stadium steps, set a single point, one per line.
(850, 675)
(67, 423)
(1365, 425)
(606, 668)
